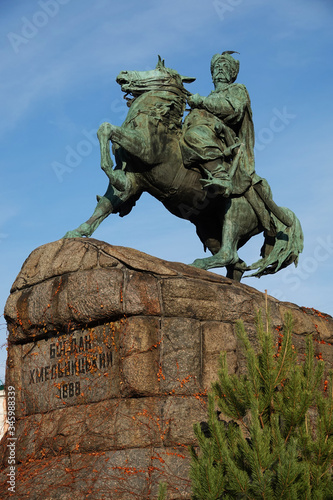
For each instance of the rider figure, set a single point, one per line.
(218, 136)
(218, 125)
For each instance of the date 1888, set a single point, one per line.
(69, 390)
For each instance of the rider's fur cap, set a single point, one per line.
(232, 63)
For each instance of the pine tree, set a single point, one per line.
(268, 448)
(162, 491)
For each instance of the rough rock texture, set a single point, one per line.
(111, 353)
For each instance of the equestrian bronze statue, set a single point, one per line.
(201, 168)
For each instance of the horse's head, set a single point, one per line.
(135, 83)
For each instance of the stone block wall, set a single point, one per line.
(110, 354)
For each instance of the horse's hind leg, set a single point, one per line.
(112, 202)
(103, 209)
(238, 221)
(236, 271)
(227, 253)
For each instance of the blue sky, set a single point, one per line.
(59, 61)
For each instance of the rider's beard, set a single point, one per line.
(220, 83)
(221, 76)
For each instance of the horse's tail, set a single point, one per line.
(281, 250)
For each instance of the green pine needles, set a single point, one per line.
(162, 491)
(269, 448)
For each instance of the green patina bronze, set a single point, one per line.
(201, 168)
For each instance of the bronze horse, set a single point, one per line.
(148, 159)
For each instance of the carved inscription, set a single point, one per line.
(59, 367)
(71, 368)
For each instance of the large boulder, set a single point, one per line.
(110, 356)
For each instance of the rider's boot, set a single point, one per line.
(218, 176)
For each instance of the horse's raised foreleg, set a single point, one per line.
(122, 186)
(122, 181)
(131, 140)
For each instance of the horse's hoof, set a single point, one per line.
(72, 234)
(199, 263)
